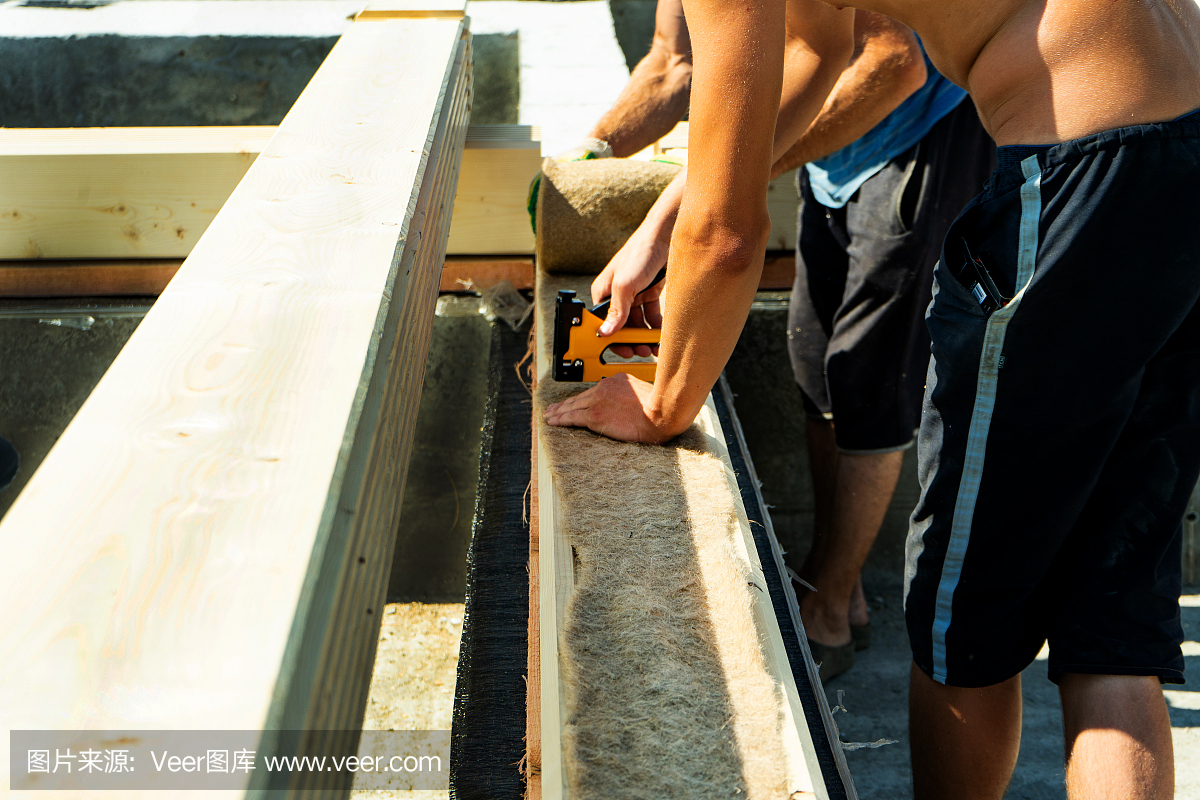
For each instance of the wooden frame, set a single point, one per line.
(207, 545)
(117, 192)
(99, 278)
(128, 193)
(552, 574)
(133, 193)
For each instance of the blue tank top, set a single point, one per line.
(835, 178)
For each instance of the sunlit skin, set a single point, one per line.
(1039, 72)
(721, 227)
(885, 68)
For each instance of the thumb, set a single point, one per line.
(618, 309)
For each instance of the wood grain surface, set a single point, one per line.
(127, 193)
(182, 557)
(117, 192)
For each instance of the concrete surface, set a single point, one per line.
(572, 68)
(244, 62)
(194, 62)
(53, 355)
(430, 559)
(412, 687)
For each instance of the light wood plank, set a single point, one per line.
(252, 430)
(810, 666)
(117, 192)
(555, 579)
(75, 193)
(491, 208)
(798, 744)
(413, 9)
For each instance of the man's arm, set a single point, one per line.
(656, 96)
(886, 68)
(722, 226)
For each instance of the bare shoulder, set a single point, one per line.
(1044, 71)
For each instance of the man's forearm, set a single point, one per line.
(657, 94)
(722, 228)
(655, 98)
(887, 67)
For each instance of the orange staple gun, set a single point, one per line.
(579, 348)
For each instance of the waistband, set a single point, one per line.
(1009, 157)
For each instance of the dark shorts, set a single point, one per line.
(1060, 438)
(856, 323)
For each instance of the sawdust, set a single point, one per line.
(587, 209)
(666, 685)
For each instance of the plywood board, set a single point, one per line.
(206, 546)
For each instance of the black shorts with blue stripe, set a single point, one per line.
(1060, 433)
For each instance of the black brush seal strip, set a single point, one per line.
(487, 739)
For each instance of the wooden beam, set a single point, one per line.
(117, 192)
(533, 676)
(65, 278)
(464, 273)
(415, 9)
(779, 271)
(207, 545)
(121, 193)
(86, 278)
(491, 208)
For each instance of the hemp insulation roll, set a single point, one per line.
(665, 669)
(586, 210)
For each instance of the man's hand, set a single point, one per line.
(625, 281)
(627, 277)
(619, 407)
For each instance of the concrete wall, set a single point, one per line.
(193, 62)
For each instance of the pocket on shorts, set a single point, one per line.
(908, 192)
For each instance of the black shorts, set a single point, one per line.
(856, 322)
(1060, 438)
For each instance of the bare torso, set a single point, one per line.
(1045, 71)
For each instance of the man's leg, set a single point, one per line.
(1118, 737)
(852, 493)
(964, 742)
